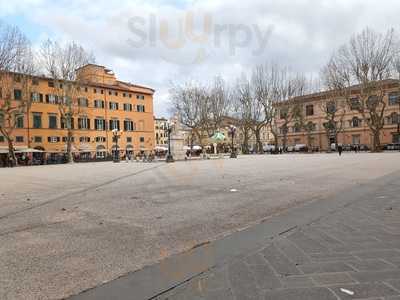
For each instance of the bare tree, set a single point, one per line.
(60, 63)
(287, 88)
(263, 111)
(244, 111)
(192, 104)
(16, 70)
(360, 67)
(219, 103)
(333, 109)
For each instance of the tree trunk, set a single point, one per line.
(70, 157)
(246, 142)
(376, 140)
(259, 148)
(11, 152)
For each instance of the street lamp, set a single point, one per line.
(232, 133)
(116, 136)
(170, 158)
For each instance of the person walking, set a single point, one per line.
(340, 150)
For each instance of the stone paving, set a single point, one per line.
(353, 253)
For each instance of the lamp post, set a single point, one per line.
(170, 158)
(232, 133)
(116, 137)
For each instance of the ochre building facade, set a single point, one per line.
(105, 103)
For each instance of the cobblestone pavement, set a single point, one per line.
(353, 253)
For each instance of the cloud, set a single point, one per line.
(299, 33)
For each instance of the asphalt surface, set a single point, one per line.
(66, 229)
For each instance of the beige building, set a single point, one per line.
(355, 130)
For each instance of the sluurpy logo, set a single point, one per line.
(181, 42)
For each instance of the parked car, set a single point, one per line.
(269, 148)
(300, 148)
(392, 147)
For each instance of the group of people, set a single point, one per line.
(8, 161)
(144, 157)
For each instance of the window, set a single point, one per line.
(36, 97)
(127, 107)
(65, 123)
(65, 139)
(100, 124)
(129, 139)
(140, 108)
(116, 93)
(84, 139)
(310, 110)
(297, 128)
(283, 130)
(1, 139)
(356, 139)
(50, 83)
(52, 122)
(83, 102)
(53, 139)
(37, 121)
(110, 93)
(331, 107)
(114, 124)
(86, 89)
(19, 139)
(142, 139)
(17, 94)
(35, 81)
(17, 78)
(124, 95)
(19, 121)
(52, 99)
(394, 98)
(394, 119)
(102, 92)
(355, 103)
(372, 102)
(99, 103)
(396, 138)
(83, 123)
(95, 91)
(37, 139)
(140, 97)
(128, 125)
(355, 122)
(113, 105)
(130, 95)
(100, 139)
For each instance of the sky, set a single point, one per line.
(159, 43)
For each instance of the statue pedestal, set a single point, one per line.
(177, 144)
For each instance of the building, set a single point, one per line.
(161, 131)
(354, 130)
(105, 104)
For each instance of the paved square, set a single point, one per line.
(64, 229)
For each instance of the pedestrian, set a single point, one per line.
(340, 150)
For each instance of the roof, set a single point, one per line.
(325, 94)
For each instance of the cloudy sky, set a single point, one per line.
(160, 42)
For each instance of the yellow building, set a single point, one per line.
(105, 103)
(161, 131)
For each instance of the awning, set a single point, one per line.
(28, 150)
(160, 148)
